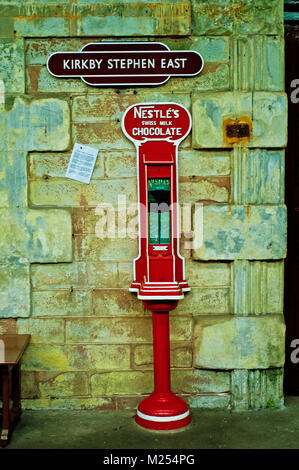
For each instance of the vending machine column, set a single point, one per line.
(159, 271)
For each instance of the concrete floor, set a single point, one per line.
(267, 429)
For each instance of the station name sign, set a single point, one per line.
(125, 63)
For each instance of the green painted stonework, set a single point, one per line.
(237, 17)
(242, 232)
(255, 389)
(12, 65)
(257, 176)
(57, 357)
(239, 342)
(257, 287)
(13, 179)
(14, 290)
(267, 112)
(41, 124)
(35, 235)
(63, 385)
(91, 339)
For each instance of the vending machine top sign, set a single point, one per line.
(163, 121)
(156, 130)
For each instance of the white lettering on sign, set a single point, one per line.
(130, 64)
(160, 248)
(157, 131)
(82, 163)
(175, 64)
(81, 64)
(147, 112)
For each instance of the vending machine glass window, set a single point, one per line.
(159, 210)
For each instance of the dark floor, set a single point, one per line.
(267, 429)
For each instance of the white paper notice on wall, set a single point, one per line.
(82, 163)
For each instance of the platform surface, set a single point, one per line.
(210, 429)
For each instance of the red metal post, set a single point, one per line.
(162, 410)
(161, 351)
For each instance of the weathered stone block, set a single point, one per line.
(257, 176)
(69, 403)
(110, 106)
(29, 387)
(46, 357)
(242, 232)
(39, 80)
(42, 330)
(265, 111)
(146, 19)
(180, 355)
(39, 49)
(205, 189)
(13, 179)
(41, 124)
(217, 401)
(54, 276)
(199, 381)
(257, 287)
(12, 65)
(255, 389)
(54, 165)
(14, 290)
(246, 17)
(180, 328)
(120, 164)
(115, 18)
(37, 26)
(269, 120)
(85, 219)
(62, 303)
(203, 301)
(107, 330)
(116, 302)
(62, 192)
(195, 163)
(48, 235)
(62, 385)
(7, 28)
(257, 63)
(239, 342)
(89, 247)
(125, 273)
(98, 274)
(214, 49)
(209, 110)
(214, 76)
(71, 275)
(122, 383)
(213, 274)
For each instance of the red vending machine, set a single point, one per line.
(159, 271)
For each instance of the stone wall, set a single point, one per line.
(91, 339)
